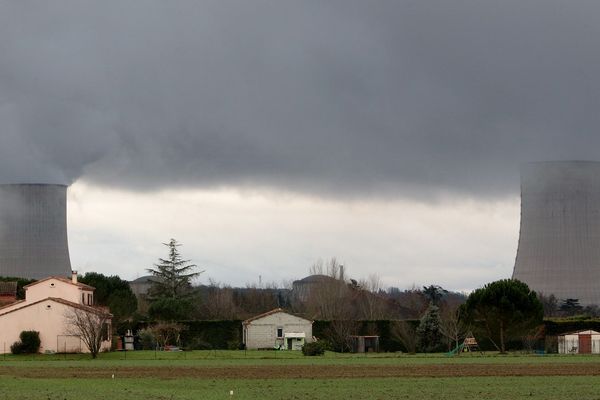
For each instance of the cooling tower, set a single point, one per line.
(559, 242)
(33, 231)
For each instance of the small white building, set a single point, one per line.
(582, 342)
(46, 308)
(277, 329)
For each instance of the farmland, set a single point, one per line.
(274, 375)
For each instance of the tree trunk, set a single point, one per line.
(502, 349)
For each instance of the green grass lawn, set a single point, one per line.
(14, 386)
(563, 388)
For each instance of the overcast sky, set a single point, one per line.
(264, 135)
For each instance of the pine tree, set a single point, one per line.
(173, 275)
(428, 331)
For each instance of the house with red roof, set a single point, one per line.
(48, 308)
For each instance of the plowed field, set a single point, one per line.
(309, 371)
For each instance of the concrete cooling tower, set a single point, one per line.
(33, 231)
(559, 242)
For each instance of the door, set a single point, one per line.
(290, 343)
(585, 344)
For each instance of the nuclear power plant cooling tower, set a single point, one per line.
(33, 231)
(559, 243)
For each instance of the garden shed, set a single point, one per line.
(277, 329)
(582, 342)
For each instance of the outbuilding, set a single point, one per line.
(277, 329)
(582, 342)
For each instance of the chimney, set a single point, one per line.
(74, 276)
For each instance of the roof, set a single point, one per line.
(147, 279)
(65, 280)
(8, 288)
(586, 332)
(275, 311)
(62, 301)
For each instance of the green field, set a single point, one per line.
(212, 375)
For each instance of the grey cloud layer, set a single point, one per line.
(326, 97)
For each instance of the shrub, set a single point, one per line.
(146, 339)
(29, 343)
(16, 348)
(313, 349)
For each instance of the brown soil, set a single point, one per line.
(308, 372)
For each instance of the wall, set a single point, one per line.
(262, 333)
(61, 290)
(46, 317)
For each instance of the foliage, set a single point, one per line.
(570, 307)
(313, 349)
(434, 294)
(211, 334)
(560, 326)
(29, 343)
(173, 275)
(21, 282)
(505, 309)
(146, 339)
(428, 331)
(112, 292)
(170, 309)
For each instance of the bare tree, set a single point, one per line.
(219, 303)
(329, 296)
(92, 325)
(371, 304)
(339, 332)
(332, 268)
(166, 333)
(406, 334)
(452, 326)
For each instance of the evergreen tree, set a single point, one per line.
(113, 292)
(505, 309)
(172, 276)
(434, 293)
(428, 331)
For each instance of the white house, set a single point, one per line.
(582, 342)
(47, 306)
(277, 329)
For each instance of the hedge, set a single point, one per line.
(227, 334)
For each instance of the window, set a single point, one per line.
(279, 332)
(89, 299)
(82, 298)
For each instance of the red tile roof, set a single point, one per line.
(94, 310)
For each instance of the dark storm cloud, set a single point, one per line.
(326, 97)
